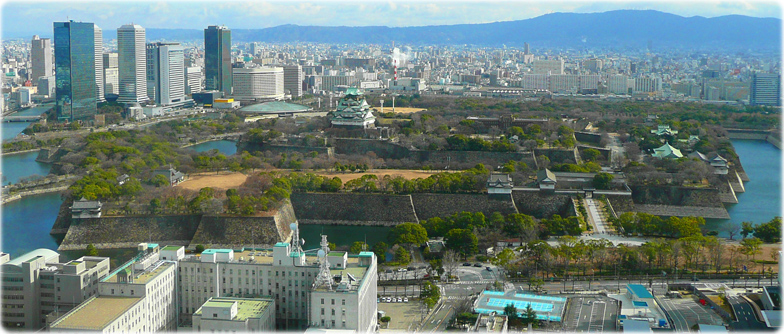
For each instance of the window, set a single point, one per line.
(333, 301)
(333, 323)
(343, 301)
(333, 311)
(322, 300)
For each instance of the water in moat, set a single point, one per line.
(762, 200)
(11, 129)
(20, 165)
(227, 147)
(27, 222)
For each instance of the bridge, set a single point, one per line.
(7, 119)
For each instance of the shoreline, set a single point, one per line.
(19, 152)
(10, 198)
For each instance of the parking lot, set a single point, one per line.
(404, 316)
(590, 314)
(475, 273)
(686, 311)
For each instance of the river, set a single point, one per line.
(227, 147)
(11, 129)
(19, 165)
(27, 222)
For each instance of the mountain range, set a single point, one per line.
(621, 28)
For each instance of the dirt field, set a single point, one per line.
(226, 180)
(220, 181)
(401, 110)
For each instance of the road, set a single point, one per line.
(744, 313)
(596, 218)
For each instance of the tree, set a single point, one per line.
(529, 317)
(504, 258)
(511, 312)
(747, 228)
(357, 246)
(408, 234)
(402, 256)
(602, 180)
(463, 241)
(769, 232)
(155, 205)
(750, 247)
(199, 248)
(430, 294)
(380, 249)
(91, 250)
(450, 262)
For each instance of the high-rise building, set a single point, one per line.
(46, 86)
(37, 284)
(111, 78)
(552, 66)
(41, 58)
(166, 73)
(76, 66)
(195, 80)
(132, 61)
(292, 80)
(217, 59)
(765, 89)
(99, 89)
(254, 48)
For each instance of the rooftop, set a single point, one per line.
(171, 248)
(96, 313)
(246, 308)
(353, 268)
(547, 307)
(144, 277)
(46, 253)
(274, 108)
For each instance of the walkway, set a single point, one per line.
(598, 218)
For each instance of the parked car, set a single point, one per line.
(402, 270)
(399, 299)
(466, 264)
(489, 269)
(478, 265)
(411, 268)
(405, 299)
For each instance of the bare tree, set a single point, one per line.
(450, 261)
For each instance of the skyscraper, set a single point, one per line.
(111, 73)
(99, 95)
(132, 59)
(292, 80)
(41, 57)
(75, 66)
(217, 59)
(765, 89)
(166, 73)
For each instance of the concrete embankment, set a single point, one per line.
(20, 152)
(20, 195)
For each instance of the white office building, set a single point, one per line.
(647, 84)
(551, 66)
(36, 284)
(195, 80)
(99, 65)
(765, 89)
(618, 84)
(111, 75)
(137, 297)
(166, 73)
(235, 315)
(132, 59)
(258, 83)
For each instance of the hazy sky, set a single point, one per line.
(37, 17)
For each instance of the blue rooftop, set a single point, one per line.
(213, 251)
(365, 254)
(637, 303)
(639, 291)
(282, 244)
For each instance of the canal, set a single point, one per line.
(11, 129)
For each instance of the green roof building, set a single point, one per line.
(353, 111)
(667, 151)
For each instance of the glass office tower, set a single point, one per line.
(217, 59)
(74, 64)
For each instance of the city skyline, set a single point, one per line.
(196, 15)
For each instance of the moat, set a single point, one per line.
(27, 222)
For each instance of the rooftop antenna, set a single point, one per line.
(324, 276)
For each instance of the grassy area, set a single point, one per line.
(726, 307)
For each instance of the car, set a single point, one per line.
(378, 300)
(426, 276)
(388, 271)
(466, 264)
(405, 299)
(394, 300)
(388, 300)
(489, 269)
(402, 270)
(478, 265)
(412, 268)
(399, 300)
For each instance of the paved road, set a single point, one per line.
(596, 217)
(745, 315)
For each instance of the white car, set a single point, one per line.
(402, 270)
(399, 300)
(405, 299)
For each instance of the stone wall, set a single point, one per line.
(278, 149)
(604, 151)
(542, 204)
(229, 232)
(442, 205)
(353, 209)
(621, 203)
(558, 156)
(681, 196)
(683, 211)
(120, 232)
(588, 137)
(382, 148)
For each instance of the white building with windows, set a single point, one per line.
(258, 83)
(236, 315)
(550, 66)
(166, 73)
(36, 284)
(132, 61)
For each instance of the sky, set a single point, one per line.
(31, 17)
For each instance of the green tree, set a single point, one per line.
(747, 228)
(511, 312)
(91, 250)
(155, 205)
(380, 249)
(529, 317)
(463, 241)
(357, 246)
(408, 234)
(750, 247)
(430, 294)
(199, 248)
(769, 232)
(602, 180)
(402, 256)
(591, 154)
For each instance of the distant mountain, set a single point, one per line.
(622, 28)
